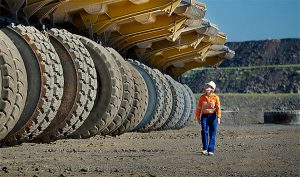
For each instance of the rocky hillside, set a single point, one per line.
(247, 80)
(258, 67)
(266, 52)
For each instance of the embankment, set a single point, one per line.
(243, 109)
(263, 79)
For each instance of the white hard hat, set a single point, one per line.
(212, 84)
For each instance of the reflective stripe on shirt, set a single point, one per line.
(211, 110)
(209, 104)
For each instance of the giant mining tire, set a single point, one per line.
(140, 104)
(178, 104)
(13, 85)
(80, 85)
(156, 96)
(45, 78)
(187, 108)
(128, 93)
(282, 117)
(167, 103)
(109, 94)
(193, 104)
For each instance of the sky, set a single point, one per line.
(244, 20)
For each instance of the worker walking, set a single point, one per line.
(208, 115)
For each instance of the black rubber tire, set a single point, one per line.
(168, 102)
(13, 85)
(45, 93)
(187, 108)
(282, 117)
(91, 81)
(128, 93)
(178, 105)
(193, 104)
(140, 104)
(109, 94)
(156, 97)
(80, 85)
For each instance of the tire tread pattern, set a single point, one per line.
(178, 105)
(128, 93)
(187, 108)
(51, 85)
(100, 119)
(160, 95)
(168, 101)
(87, 85)
(140, 103)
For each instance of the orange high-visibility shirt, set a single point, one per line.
(208, 104)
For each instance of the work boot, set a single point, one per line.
(205, 152)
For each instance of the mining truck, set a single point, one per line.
(79, 68)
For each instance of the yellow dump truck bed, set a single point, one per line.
(170, 35)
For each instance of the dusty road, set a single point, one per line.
(255, 150)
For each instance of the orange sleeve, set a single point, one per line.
(218, 106)
(198, 111)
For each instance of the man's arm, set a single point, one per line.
(198, 111)
(218, 106)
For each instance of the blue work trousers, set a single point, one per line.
(209, 125)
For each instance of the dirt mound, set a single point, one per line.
(264, 52)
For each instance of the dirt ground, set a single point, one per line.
(252, 150)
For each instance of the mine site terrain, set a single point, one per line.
(252, 150)
(110, 88)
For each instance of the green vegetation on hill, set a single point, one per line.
(269, 66)
(245, 67)
(283, 79)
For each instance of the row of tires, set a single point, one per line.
(55, 85)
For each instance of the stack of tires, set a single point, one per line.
(55, 85)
